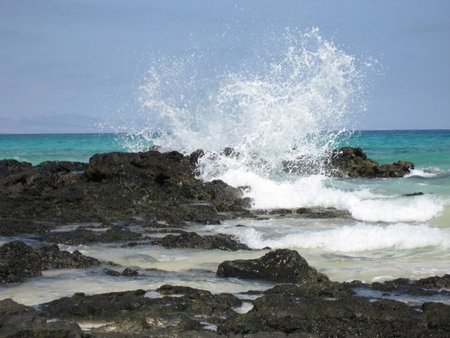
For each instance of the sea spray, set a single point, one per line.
(292, 106)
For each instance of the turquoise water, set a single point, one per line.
(389, 235)
(426, 148)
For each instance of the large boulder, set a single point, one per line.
(283, 265)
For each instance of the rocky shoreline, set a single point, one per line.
(150, 198)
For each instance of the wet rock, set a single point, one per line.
(323, 289)
(283, 265)
(201, 213)
(19, 261)
(421, 287)
(437, 317)
(353, 162)
(180, 310)
(18, 320)
(83, 236)
(320, 212)
(195, 241)
(312, 212)
(16, 227)
(225, 197)
(304, 315)
(112, 187)
(127, 272)
(397, 169)
(413, 194)
(62, 166)
(8, 167)
(195, 156)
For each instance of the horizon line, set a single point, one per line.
(124, 133)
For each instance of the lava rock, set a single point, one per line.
(127, 272)
(320, 212)
(353, 162)
(113, 187)
(19, 261)
(83, 236)
(195, 241)
(283, 265)
(349, 316)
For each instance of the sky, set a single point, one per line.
(77, 65)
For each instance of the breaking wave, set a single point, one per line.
(293, 105)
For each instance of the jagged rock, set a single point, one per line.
(113, 187)
(8, 167)
(18, 320)
(307, 316)
(132, 313)
(353, 162)
(283, 265)
(19, 261)
(195, 241)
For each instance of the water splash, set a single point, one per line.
(292, 104)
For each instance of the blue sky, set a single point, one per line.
(66, 66)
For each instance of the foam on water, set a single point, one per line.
(311, 191)
(355, 238)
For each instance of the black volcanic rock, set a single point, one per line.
(283, 266)
(353, 162)
(114, 186)
(85, 236)
(19, 261)
(195, 241)
(17, 320)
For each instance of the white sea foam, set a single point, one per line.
(425, 173)
(311, 191)
(355, 238)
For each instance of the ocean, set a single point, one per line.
(298, 107)
(389, 236)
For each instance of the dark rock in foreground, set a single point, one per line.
(17, 320)
(195, 241)
(305, 315)
(19, 261)
(112, 187)
(353, 162)
(179, 312)
(283, 265)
